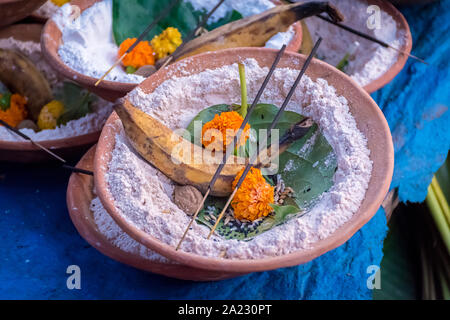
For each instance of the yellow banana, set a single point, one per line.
(174, 155)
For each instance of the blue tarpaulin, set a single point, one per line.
(39, 241)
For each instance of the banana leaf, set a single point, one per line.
(131, 17)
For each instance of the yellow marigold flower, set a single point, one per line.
(167, 42)
(16, 111)
(141, 55)
(60, 3)
(227, 124)
(253, 199)
(48, 117)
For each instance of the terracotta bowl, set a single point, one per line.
(402, 25)
(79, 197)
(15, 10)
(369, 119)
(108, 90)
(24, 151)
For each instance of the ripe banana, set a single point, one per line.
(175, 156)
(21, 76)
(253, 31)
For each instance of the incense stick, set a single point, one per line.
(235, 141)
(162, 15)
(369, 37)
(78, 170)
(272, 126)
(40, 146)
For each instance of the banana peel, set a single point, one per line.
(21, 76)
(173, 155)
(179, 159)
(253, 31)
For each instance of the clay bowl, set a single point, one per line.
(15, 10)
(368, 116)
(108, 90)
(25, 151)
(402, 25)
(79, 197)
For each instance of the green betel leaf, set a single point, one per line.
(5, 101)
(203, 117)
(77, 102)
(131, 17)
(263, 115)
(261, 118)
(307, 166)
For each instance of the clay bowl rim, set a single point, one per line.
(30, 5)
(56, 62)
(54, 144)
(384, 164)
(77, 201)
(397, 67)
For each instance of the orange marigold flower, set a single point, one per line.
(16, 111)
(141, 55)
(253, 199)
(227, 125)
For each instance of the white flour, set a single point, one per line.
(370, 59)
(107, 226)
(47, 10)
(89, 123)
(88, 44)
(143, 195)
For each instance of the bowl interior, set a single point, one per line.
(370, 122)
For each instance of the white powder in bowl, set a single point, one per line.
(107, 227)
(143, 195)
(370, 60)
(88, 43)
(90, 123)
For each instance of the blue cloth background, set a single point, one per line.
(39, 241)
